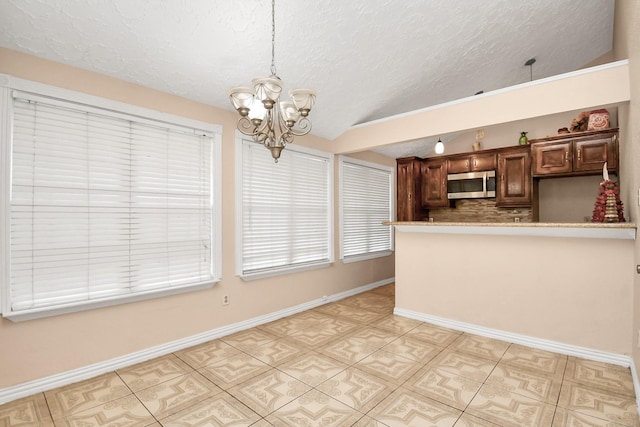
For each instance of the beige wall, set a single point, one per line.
(626, 44)
(38, 348)
(569, 290)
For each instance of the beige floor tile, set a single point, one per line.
(311, 319)
(206, 353)
(350, 312)
(526, 383)
(389, 366)
(274, 352)
(404, 408)
(69, 400)
(605, 405)
(125, 411)
(414, 349)
(262, 423)
(375, 338)
(28, 411)
(396, 324)
(314, 409)
(445, 387)
(349, 350)
(313, 368)
(153, 372)
(269, 391)
(173, 396)
(220, 410)
(465, 365)
(566, 418)
(235, 368)
(434, 334)
(480, 346)
(538, 360)
(249, 339)
(509, 409)
(600, 375)
(467, 420)
(368, 422)
(386, 290)
(371, 302)
(357, 389)
(328, 330)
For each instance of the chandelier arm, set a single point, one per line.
(303, 127)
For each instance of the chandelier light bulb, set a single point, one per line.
(439, 147)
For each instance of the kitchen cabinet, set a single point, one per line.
(434, 183)
(471, 162)
(408, 189)
(575, 154)
(514, 188)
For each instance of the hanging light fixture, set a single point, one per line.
(269, 121)
(439, 147)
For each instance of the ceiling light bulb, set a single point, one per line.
(439, 147)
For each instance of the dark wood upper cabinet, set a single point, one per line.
(575, 154)
(434, 183)
(514, 178)
(408, 191)
(471, 162)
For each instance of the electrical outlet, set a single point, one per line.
(225, 299)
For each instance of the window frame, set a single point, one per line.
(8, 84)
(392, 188)
(288, 269)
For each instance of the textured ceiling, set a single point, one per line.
(367, 59)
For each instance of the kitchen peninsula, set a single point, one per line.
(534, 284)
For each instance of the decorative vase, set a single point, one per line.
(523, 138)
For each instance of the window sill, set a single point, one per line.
(365, 257)
(43, 312)
(285, 270)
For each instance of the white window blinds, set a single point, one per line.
(286, 210)
(366, 201)
(105, 206)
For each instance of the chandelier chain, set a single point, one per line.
(273, 37)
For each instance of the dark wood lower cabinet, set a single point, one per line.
(514, 178)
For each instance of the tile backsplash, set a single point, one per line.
(480, 210)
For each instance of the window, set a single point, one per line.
(285, 210)
(366, 195)
(106, 206)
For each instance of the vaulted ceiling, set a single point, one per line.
(367, 59)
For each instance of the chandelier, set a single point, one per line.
(269, 121)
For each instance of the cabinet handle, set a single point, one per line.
(475, 162)
(579, 154)
(566, 156)
(501, 177)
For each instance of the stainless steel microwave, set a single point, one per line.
(471, 185)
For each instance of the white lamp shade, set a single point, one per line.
(439, 147)
(303, 99)
(289, 112)
(267, 88)
(241, 97)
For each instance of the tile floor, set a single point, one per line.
(348, 363)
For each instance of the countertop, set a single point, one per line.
(615, 230)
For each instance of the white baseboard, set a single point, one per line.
(29, 388)
(539, 343)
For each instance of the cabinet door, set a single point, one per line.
(483, 162)
(408, 204)
(552, 158)
(514, 178)
(458, 164)
(434, 183)
(591, 154)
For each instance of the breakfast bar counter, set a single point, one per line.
(562, 287)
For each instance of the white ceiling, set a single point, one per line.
(367, 59)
